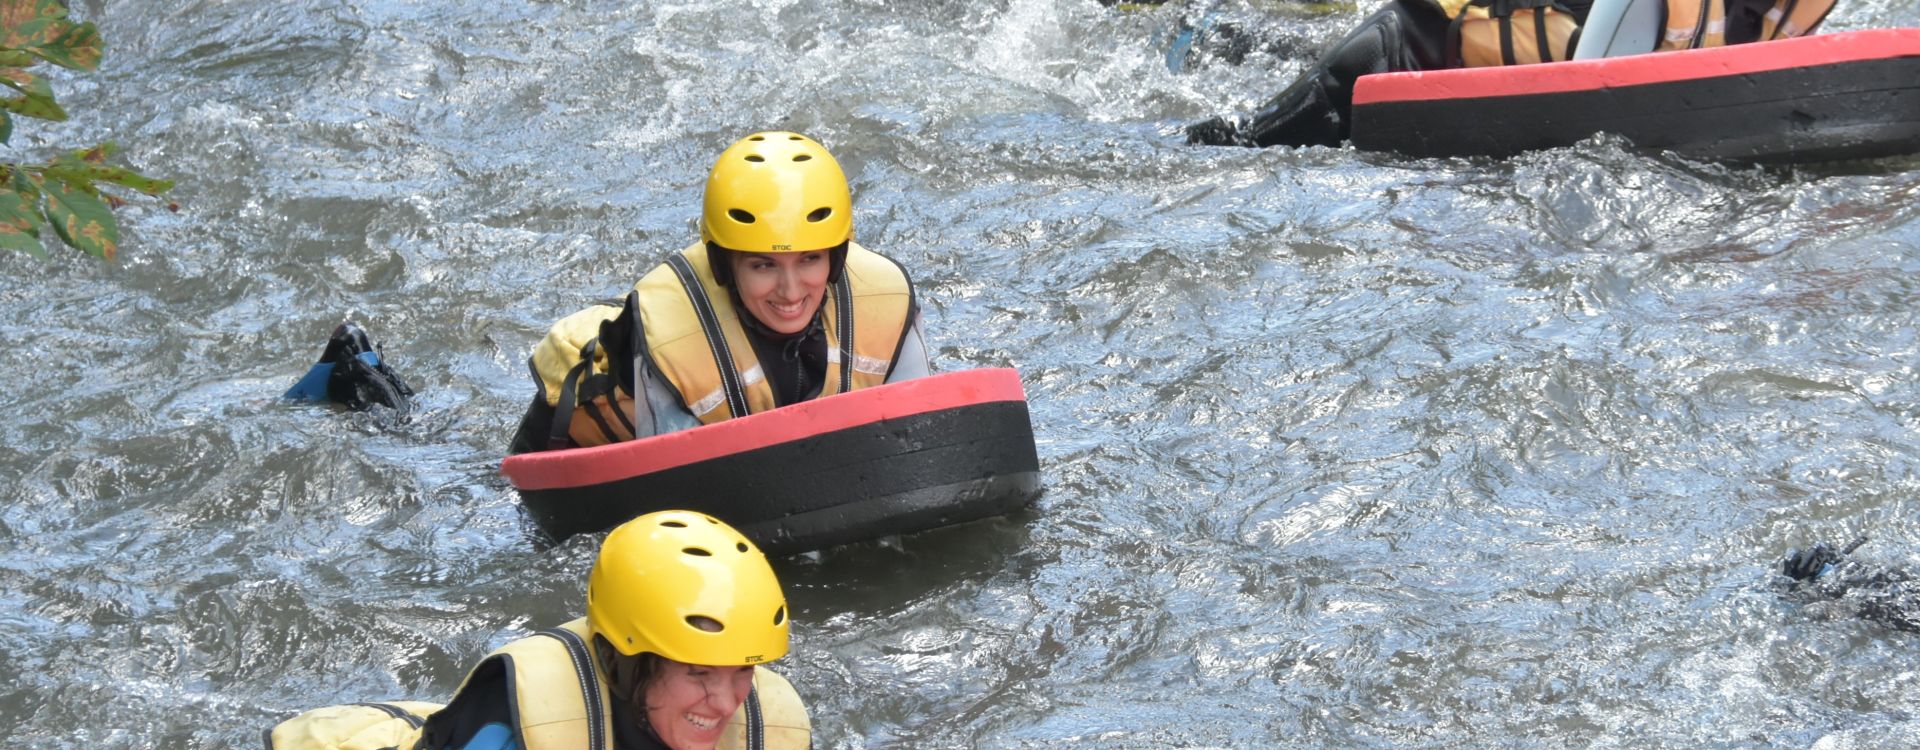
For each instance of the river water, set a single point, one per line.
(1341, 449)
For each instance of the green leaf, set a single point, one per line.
(25, 184)
(25, 82)
(23, 243)
(81, 220)
(87, 166)
(17, 58)
(19, 226)
(6, 127)
(29, 106)
(17, 215)
(30, 32)
(129, 179)
(68, 45)
(26, 20)
(16, 14)
(96, 155)
(38, 95)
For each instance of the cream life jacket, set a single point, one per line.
(695, 340)
(865, 316)
(560, 698)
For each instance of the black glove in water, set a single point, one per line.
(1809, 564)
(360, 376)
(1802, 566)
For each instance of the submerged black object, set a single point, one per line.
(1809, 564)
(352, 373)
(1886, 595)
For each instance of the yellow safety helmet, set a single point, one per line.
(777, 192)
(664, 580)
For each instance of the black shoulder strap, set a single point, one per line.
(559, 435)
(843, 320)
(1573, 42)
(756, 725)
(716, 339)
(641, 363)
(1540, 40)
(1503, 11)
(589, 685)
(1454, 56)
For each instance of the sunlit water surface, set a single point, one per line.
(1341, 449)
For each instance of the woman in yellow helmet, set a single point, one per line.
(683, 613)
(775, 305)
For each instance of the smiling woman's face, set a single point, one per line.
(781, 290)
(688, 705)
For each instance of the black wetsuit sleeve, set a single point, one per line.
(482, 700)
(534, 428)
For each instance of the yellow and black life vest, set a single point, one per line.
(1509, 32)
(561, 701)
(694, 338)
(572, 369)
(718, 376)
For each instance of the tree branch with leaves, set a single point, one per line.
(63, 193)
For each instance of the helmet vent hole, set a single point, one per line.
(820, 214)
(757, 138)
(794, 138)
(740, 216)
(756, 158)
(780, 615)
(802, 157)
(697, 552)
(742, 546)
(673, 524)
(702, 622)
